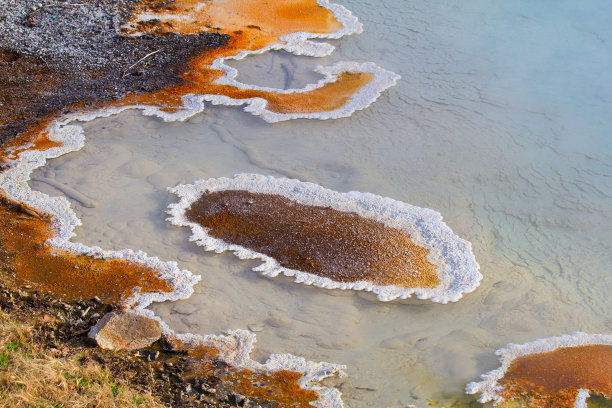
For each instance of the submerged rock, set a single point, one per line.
(558, 371)
(125, 330)
(334, 240)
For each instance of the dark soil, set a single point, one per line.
(60, 55)
(61, 329)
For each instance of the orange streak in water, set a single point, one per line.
(252, 25)
(25, 257)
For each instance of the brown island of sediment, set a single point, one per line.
(552, 379)
(341, 246)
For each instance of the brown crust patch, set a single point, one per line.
(552, 379)
(277, 388)
(338, 245)
(26, 257)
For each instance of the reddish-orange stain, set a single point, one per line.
(271, 18)
(25, 257)
(277, 389)
(251, 25)
(552, 379)
(36, 138)
(341, 246)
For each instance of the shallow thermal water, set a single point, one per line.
(501, 122)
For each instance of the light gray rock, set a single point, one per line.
(125, 330)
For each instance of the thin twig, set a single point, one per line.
(20, 206)
(140, 60)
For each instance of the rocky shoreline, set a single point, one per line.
(61, 330)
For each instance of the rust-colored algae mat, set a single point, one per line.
(265, 21)
(329, 97)
(274, 389)
(338, 245)
(24, 254)
(552, 379)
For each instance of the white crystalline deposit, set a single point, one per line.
(363, 98)
(490, 388)
(457, 268)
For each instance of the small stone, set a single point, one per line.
(278, 321)
(125, 330)
(255, 328)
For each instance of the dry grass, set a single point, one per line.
(31, 376)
